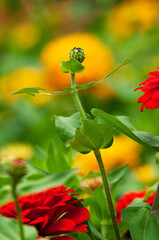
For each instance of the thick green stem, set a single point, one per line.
(18, 211)
(107, 192)
(75, 96)
(100, 163)
(156, 200)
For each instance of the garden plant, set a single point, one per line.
(45, 208)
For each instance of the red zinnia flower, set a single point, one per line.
(150, 99)
(52, 212)
(127, 199)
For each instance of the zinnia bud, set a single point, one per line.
(78, 54)
(16, 168)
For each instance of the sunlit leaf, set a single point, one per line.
(30, 91)
(71, 66)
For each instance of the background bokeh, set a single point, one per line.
(35, 35)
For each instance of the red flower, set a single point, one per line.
(52, 212)
(150, 99)
(127, 199)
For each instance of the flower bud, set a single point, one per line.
(16, 168)
(78, 54)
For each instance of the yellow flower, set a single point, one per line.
(18, 150)
(24, 35)
(134, 15)
(145, 173)
(124, 150)
(23, 78)
(98, 61)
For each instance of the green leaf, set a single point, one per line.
(72, 66)
(99, 210)
(29, 91)
(92, 135)
(87, 85)
(66, 90)
(38, 160)
(46, 182)
(122, 230)
(80, 236)
(59, 156)
(117, 174)
(144, 138)
(56, 161)
(93, 232)
(141, 222)
(9, 230)
(66, 126)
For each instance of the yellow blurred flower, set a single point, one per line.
(23, 78)
(145, 173)
(98, 62)
(124, 150)
(18, 150)
(134, 15)
(24, 36)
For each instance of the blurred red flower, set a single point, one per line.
(127, 199)
(150, 99)
(52, 212)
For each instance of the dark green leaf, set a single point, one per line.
(9, 230)
(92, 135)
(117, 174)
(71, 66)
(141, 222)
(144, 138)
(29, 91)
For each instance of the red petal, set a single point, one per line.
(62, 238)
(80, 228)
(152, 104)
(155, 95)
(77, 214)
(37, 221)
(59, 227)
(151, 79)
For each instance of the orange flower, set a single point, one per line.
(98, 62)
(134, 15)
(23, 78)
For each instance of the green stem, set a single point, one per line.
(100, 163)
(14, 193)
(107, 192)
(156, 200)
(75, 96)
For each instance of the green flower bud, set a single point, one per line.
(16, 168)
(78, 54)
